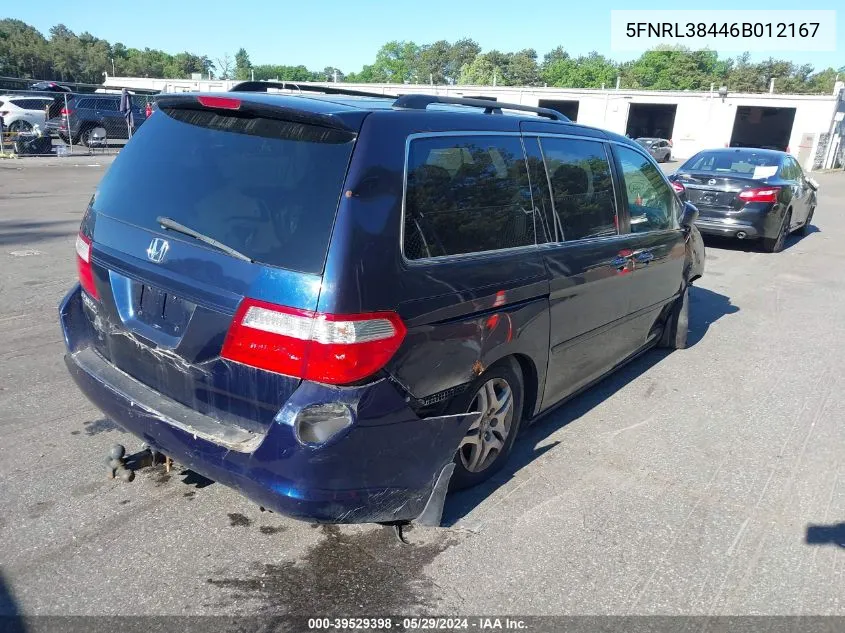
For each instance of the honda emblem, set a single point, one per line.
(157, 250)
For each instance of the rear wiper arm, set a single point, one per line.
(173, 225)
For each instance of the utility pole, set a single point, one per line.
(113, 73)
(335, 75)
(494, 76)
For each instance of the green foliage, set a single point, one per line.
(84, 58)
(590, 71)
(243, 66)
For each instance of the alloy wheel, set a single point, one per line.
(486, 438)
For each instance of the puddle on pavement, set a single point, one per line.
(346, 573)
(236, 519)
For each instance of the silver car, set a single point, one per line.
(660, 148)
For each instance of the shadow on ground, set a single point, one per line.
(11, 620)
(28, 233)
(706, 307)
(826, 534)
(753, 246)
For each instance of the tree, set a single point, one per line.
(225, 66)
(433, 62)
(330, 73)
(396, 62)
(675, 68)
(591, 71)
(480, 71)
(242, 65)
(521, 69)
(463, 52)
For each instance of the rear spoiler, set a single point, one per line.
(242, 105)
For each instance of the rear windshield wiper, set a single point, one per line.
(173, 225)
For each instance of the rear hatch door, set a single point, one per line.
(263, 183)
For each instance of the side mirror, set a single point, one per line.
(689, 215)
(813, 183)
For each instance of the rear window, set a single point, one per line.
(741, 162)
(466, 195)
(266, 188)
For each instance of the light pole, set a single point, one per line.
(113, 73)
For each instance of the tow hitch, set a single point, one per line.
(122, 467)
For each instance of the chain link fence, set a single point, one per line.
(59, 123)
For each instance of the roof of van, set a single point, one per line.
(336, 104)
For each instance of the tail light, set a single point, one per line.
(83, 264)
(327, 348)
(678, 187)
(66, 111)
(760, 194)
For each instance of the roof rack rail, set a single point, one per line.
(262, 86)
(422, 101)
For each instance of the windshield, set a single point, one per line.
(645, 142)
(266, 188)
(741, 162)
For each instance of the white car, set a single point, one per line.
(21, 112)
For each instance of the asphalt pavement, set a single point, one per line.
(704, 481)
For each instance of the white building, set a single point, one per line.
(808, 126)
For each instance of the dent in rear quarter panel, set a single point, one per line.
(462, 315)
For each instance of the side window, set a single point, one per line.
(85, 103)
(793, 169)
(466, 195)
(582, 188)
(651, 202)
(107, 105)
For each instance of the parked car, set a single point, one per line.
(49, 86)
(748, 194)
(21, 112)
(86, 112)
(344, 305)
(660, 148)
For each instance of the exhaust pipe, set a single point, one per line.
(741, 235)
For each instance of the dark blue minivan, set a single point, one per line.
(344, 305)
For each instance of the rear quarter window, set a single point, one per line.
(466, 195)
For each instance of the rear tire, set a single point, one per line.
(85, 136)
(498, 394)
(20, 126)
(805, 230)
(677, 323)
(776, 244)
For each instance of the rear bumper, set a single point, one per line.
(727, 229)
(383, 468)
(755, 220)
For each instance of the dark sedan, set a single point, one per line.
(748, 194)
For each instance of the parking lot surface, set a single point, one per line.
(704, 481)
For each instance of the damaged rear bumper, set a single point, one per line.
(389, 465)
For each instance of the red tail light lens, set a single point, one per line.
(678, 187)
(760, 194)
(83, 264)
(66, 111)
(327, 348)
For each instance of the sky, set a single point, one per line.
(348, 34)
